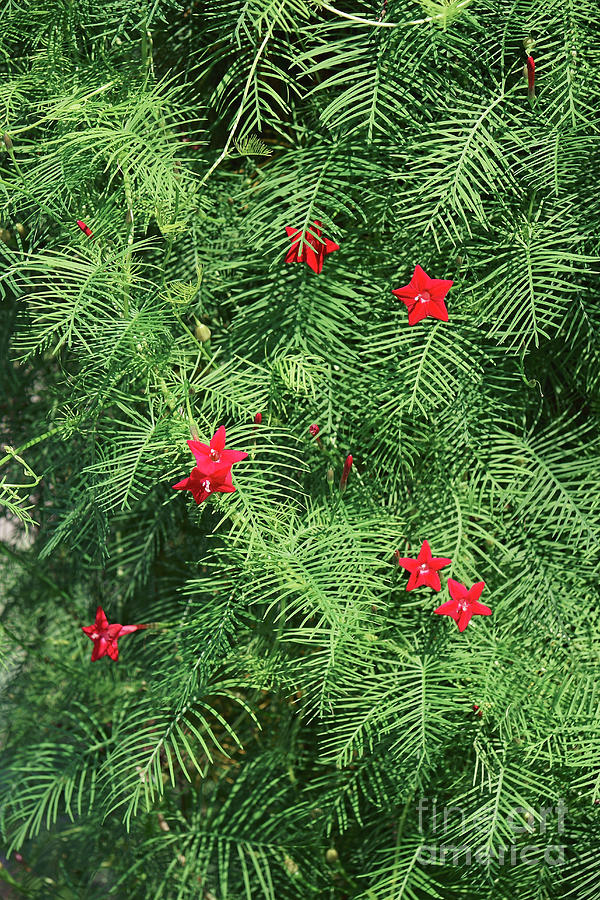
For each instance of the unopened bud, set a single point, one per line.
(290, 865)
(330, 475)
(345, 473)
(129, 217)
(20, 229)
(7, 140)
(258, 418)
(314, 430)
(85, 228)
(202, 332)
(332, 856)
(530, 72)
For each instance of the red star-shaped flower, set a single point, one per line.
(464, 603)
(424, 569)
(212, 457)
(424, 296)
(202, 485)
(105, 636)
(212, 474)
(314, 248)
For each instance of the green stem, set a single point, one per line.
(240, 111)
(27, 445)
(128, 253)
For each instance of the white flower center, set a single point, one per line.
(423, 297)
(215, 455)
(423, 569)
(206, 485)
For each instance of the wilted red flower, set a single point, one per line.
(464, 603)
(105, 636)
(424, 296)
(85, 228)
(312, 250)
(530, 76)
(424, 569)
(314, 430)
(345, 473)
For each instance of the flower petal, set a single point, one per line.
(217, 442)
(232, 456)
(432, 580)
(127, 629)
(476, 591)
(464, 618)
(417, 313)
(439, 287)
(406, 293)
(437, 310)
(424, 553)
(99, 649)
(201, 451)
(182, 485)
(480, 609)
(406, 563)
(439, 562)
(413, 581)
(421, 280)
(223, 488)
(449, 608)
(314, 258)
(457, 590)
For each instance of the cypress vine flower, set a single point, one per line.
(212, 472)
(464, 603)
(85, 228)
(314, 248)
(213, 456)
(424, 296)
(202, 485)
(314, 430)
(105, 636)
(424, 569)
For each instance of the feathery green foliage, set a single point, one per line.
(292, 719)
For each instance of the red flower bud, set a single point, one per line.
(345, 473)
(314, 430)
(86, 230)
(258, 418)
(531, 77)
